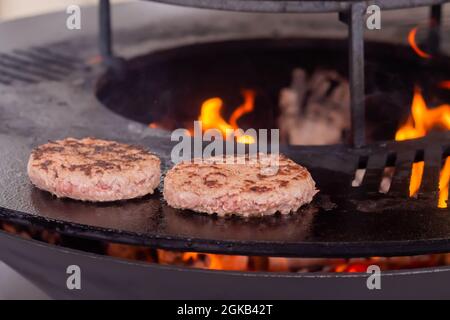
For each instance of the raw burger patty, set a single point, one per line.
(94, 170)
(249, 189)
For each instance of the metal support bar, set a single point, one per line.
(434, 35)
(105, 31)
(355, 20)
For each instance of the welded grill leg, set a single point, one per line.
(434, 36)
(355, 21)
(105, 31)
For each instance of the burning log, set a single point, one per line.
(315, 110)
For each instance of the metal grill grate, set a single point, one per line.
(36, 64)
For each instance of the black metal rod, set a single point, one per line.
(356, 72)
(434, 36)
(105, 30)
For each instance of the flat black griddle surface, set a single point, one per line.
(342, 221)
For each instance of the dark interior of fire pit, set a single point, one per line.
(168, 87)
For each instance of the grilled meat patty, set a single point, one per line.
(247, 189)
(93, 169)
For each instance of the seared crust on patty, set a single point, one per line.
(93, 169)
(239, 186)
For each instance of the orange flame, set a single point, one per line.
(412, 42)
(189, 256)
(246, 107)
(212, 119)
(210, 115)
(421, 121)
(218, 261)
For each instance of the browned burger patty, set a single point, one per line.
(248, 189)
(93, 169)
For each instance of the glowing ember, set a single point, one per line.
(212, 119)
(189, 256)
(421, 121)
(412, 42)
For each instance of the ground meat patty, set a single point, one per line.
(94, 170)
(248, 189)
